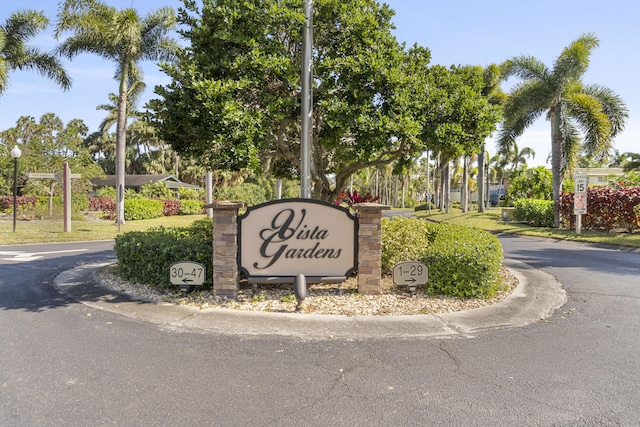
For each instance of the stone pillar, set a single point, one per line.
(226, 278)
(370, 247)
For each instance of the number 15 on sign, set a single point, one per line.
(580, 199)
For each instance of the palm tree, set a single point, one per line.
(570, 105)
(519, 157)
(125, 38)
(495, 95)
(17, 30)
(497, 166)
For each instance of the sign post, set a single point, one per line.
(580, 198)
(186, 275)
(65, 180)
(411, 274)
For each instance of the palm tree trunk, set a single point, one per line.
(556, 162)
(121, 143)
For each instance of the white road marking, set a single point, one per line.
(21, 256)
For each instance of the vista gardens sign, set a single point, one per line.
(284, 238)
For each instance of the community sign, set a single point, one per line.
(284, 238)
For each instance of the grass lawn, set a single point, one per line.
(45, 231)
(491, 221)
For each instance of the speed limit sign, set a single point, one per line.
(580, 194)
(581, 181)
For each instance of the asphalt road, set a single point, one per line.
(64, 363)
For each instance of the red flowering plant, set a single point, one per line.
(351, 199)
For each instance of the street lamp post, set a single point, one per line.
(15, 153)
(307, 101)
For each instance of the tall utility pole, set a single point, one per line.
(306, 96)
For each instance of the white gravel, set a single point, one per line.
(321, 298)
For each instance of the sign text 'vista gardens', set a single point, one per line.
(285, 238)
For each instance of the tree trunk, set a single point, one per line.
(556, 162)
(121, 143)
(481, 180)
(446, 182)
(441, 196)
(51, 191)
(464, 196)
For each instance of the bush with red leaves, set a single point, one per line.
(607, 209)
(6, 202)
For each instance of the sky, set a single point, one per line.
(457, 32)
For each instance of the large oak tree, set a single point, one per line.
(234, 99)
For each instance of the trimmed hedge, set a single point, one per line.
(142, 209)
(463, 261)
(191, 207)
(145, 257)
(403, 239)
(538, 213)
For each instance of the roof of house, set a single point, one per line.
(137, 181)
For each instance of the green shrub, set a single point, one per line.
(106, 192)
(462, 261)
(250, 194)
(191, 207)
(538, 213)
(146, 257)
(156, 190)
(142, 209)
(188, 193)
(425, 206)
(535, 183)
(79, 202)
(130, 193)
(40, 209)
(403, 239)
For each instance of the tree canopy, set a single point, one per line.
(234, 98)
(45, 145)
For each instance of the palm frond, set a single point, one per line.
(524, 67)
(526, 99)
(574, 59)
(22, 26)
(587, 112)
(612, 105)
(570, 147)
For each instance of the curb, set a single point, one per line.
(536, 297)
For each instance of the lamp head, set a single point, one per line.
(15, 152)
